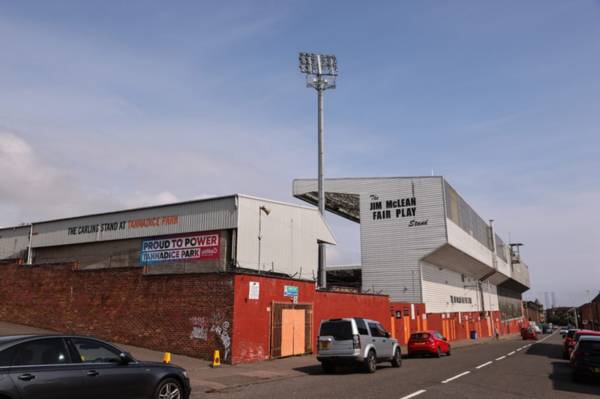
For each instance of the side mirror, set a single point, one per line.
(125, 358)
(445, 339)
(387, 335)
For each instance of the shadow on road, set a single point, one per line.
(343, 370)
(553, 351)
(562, 381)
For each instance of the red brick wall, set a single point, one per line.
(123, 305)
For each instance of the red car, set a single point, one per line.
(567, 343)
(428, 342)
(528, 333)
(570, 346)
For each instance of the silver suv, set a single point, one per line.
(356, 341)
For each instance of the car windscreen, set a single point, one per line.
(420, 336)
(590, 347)
(338, 329)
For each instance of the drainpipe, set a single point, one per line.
(29, 251)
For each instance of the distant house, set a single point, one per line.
(534, 311)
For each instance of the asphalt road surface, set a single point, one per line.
(503, 369)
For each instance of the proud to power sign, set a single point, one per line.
(180, 248)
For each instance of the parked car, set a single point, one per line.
(353, 341)
(576, 337)
(536, 328)
(585, 360)
(75, 367)
(567, 343)
(529, 333)
(428, 342)
(563, 331)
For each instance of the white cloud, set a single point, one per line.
(33, 188)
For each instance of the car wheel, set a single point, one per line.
(328, 367)
(438, 352)
(370, 365)
(397, 358)
(449, 351)
(169, 388)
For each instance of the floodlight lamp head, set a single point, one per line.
(317, 64)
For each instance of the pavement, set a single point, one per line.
(505, 368)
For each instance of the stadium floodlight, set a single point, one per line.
(321, 71)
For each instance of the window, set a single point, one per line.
(92, 351)
(362, 327)
(376, 330)
(41, 351)
(420, 336)
(338, 329)
(6, 357)
(590, 347)
(438, 335)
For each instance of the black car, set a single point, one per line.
(585, 360)
(76, 367)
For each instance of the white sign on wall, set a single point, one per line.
(254, 292)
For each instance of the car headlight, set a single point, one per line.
(185, 374)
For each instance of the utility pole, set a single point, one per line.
(321, 72)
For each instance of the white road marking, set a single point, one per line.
(518, 349)
(412, 395)
(511, 353)
(501, 357)
(483, 365)
(455, 377)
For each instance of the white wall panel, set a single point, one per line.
(290, 235)
(14, 242)
(465, 242)
(440, 284)
(202, 215)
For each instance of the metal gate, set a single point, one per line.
(291, 329)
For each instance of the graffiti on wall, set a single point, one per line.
(218, 324)
(199, 328)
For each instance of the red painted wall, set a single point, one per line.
(252, 318)
(331, 305)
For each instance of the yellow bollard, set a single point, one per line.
(167, 358)
(216, 359)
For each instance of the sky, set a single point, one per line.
(106, 105)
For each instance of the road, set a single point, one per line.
(504, 369)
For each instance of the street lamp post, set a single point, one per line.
(321, 72)
(260, 212)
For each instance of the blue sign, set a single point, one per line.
(290, 290)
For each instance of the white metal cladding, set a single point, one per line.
(391, 248)
(440, 284)
(391, 252)
(460, 239)
(290, 234)
(14, 241)
(195, 216)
